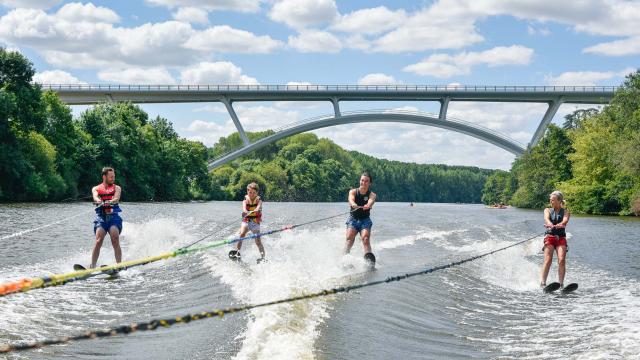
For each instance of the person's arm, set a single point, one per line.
(565, 219)
(372, 200)
(352, 198)
(258, 206)
(547, 218)
(96, 198)
(244, 207)
(116, 197)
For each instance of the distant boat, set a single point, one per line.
(497, 206)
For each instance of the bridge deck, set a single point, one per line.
(92, 94)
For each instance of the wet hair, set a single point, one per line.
(558, 195)
(254, 186)
(366, 173)
(106, 169)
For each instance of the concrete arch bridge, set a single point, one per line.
(553, 96)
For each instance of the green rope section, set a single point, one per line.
(154, 324)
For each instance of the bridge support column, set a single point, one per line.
(236, 121)
(336, 107)
(548, 116)
(444, 105)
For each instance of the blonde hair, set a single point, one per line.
(254, 186)
(558, 195)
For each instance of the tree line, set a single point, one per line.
(593, 159)
(48, 155)
(305, 168)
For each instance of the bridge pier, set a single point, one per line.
(546, 119)
(236, 121)
(444, 106)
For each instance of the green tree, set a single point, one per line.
(541, 168)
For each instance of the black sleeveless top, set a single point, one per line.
(556, 218)
(361, 200)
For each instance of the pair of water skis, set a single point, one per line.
(555, 286)
(113, 274)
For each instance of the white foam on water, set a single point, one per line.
(299, 262)
(63, 310)
(603, 310)
(407, 240)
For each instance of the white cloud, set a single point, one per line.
(509, 118)
(142, 76)
(93, 43)
(67, 43)
(300, 14)
(439, 26)
(219, 73)
(227, 39)
(155, 44)
(370, 21)
(212, 108)
(309, 41)
(211, 5)
(253, 118)
(31, 4)
(192, 15)
(444, 66)
(629, 46)
(77, 12)
(585, 78)
(596, 17)
(451, 24)
(418, 143)
(256, 118)
(208, 132)
(56, 77)
(296, 83)
(538, 30)
(378, 79)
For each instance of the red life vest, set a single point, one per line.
(254, 216)
(106, 193)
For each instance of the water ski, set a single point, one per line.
(570, 288)
(551, 287)
(370, 259)
(112, 273)
(78, 267)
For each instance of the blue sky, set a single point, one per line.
(467, 42)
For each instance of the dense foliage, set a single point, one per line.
(45, 154)
(593, 159)
(305, 168)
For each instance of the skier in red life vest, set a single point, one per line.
(106, 197)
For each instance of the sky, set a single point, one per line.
(467, 42)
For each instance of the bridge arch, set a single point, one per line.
(411, 117)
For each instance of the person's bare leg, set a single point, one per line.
(365, 234)
(351, 237)
(243, 232)
(562, 254)
(100, 234)
(259, 245)
(546, 265)
(114, 234)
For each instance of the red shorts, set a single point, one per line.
(555, 241)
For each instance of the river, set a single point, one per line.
(490, 308)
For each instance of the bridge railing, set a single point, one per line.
(328, 88)
(385, 111)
